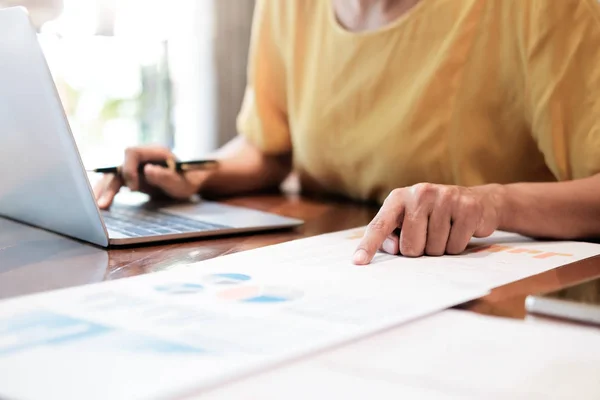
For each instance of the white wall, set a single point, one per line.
(194, 79)
(209, 51)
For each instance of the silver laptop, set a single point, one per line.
(43, 181)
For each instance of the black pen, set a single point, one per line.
(176, 166)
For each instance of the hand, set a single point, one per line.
(155, 181)
(432, 220)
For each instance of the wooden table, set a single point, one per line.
(32, 260)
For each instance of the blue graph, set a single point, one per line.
(47, 329)
(226, 279)
(179, 288)
(25, 331)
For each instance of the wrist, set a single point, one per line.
(496, 196)
(197, 178)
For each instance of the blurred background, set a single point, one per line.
(133, 72)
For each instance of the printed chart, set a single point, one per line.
(260, 294)
(226, 279)
(180, 288)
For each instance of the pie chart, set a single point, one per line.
(179, 288)
(260, 294)
(226, 279)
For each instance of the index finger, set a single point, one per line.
(133, 158)
(385, 222)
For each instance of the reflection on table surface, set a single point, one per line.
(33, 260)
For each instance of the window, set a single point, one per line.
(111, 67)
(133, 72)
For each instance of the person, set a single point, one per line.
(458, 117)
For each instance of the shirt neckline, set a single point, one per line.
(401, 20)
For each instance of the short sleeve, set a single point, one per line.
(263, 117)
(562, 62)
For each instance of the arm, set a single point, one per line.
(260, 158)
(560, 210)
(243, 168)
(563, 84)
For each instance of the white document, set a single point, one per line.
(451, 355)
(173, 333)
(488, 263)
(189, 329)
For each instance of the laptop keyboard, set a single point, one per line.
(136, 222)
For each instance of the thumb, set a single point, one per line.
(491, 199)
(486, 228)
(489, 222)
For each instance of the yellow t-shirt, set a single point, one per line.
(462, 92)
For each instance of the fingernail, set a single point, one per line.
(389, 246)
(361, 257)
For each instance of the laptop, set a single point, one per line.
(43, 181)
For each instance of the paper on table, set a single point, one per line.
(163, 334)
(168, 333)
(451, 355)
(488, 263)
